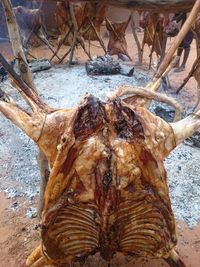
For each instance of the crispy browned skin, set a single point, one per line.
(30, 23)
(63, 19)
(96, 14)
(153, 24)
(107, 190)
(117, 44)
(85, 13)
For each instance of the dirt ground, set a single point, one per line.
(18, 232)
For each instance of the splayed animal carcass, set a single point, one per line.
(107, 191)
(154, 25)
(81, 22)
(64, 22)
(117, 44)
(94, 17)
(30, 24)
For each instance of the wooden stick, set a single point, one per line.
(112, 28)
(74, 22)
(136, 40)
(164, 44)
(97, 35)
(31, 94)
(84, 48)
(31, 55)
(44, 172)
(17, 47)
(26, 84)
(153, 45)
(182, 33)
(170, 6)
(46, 43)
(190, 74)
(60, 45)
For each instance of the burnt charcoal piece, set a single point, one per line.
(194, 140)
(39, 65)
(3, 74)
(107, 66)
(165, 112)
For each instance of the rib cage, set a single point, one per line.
(143, 230)
(73, 233)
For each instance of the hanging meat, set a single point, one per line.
(154, 25)
(117, 44)
(63, 19)
(94, 15)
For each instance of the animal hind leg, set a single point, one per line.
(174, 260)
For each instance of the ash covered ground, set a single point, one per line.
(64, 87)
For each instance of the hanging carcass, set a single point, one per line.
(64, 22)
(117, 44)
(154, 25)
(30, 24)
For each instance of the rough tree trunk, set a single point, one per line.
(27, 77)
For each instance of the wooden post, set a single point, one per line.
(27, 77)
(74, 22)
(16, 43)
(136, 40)
(186, 27)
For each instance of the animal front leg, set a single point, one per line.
(174, 260)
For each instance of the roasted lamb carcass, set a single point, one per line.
(154, 25)
(63, 19)
(107, 191)
(117, 44)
